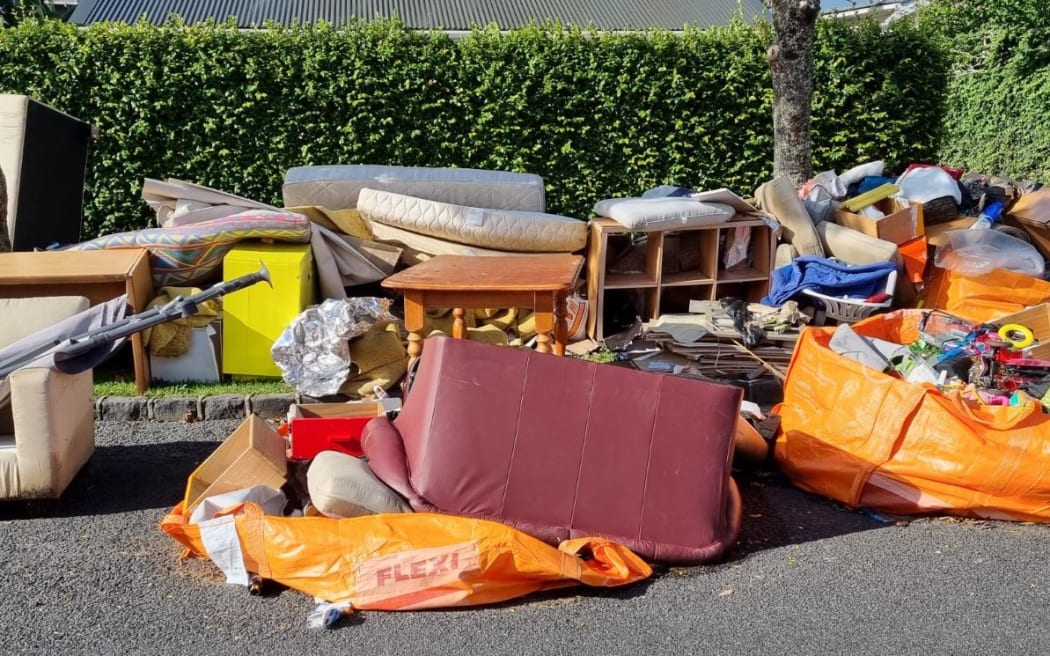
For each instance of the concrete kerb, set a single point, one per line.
(193, 408)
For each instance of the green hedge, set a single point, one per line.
(997, 110)
(595, 115)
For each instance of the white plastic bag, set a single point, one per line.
(981, 251)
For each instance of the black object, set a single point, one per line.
(180, 306)
(45, 187)
(751, 333)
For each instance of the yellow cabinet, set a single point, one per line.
(254, 317)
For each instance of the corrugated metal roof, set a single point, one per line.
(453, 15)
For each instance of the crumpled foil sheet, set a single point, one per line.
(313, 352)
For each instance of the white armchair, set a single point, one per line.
(47, 430)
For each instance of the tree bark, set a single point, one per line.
(791, 65)
(5, 240)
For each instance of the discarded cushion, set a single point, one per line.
(779, 198)
(341, 485)
(662, 212)
(853, 246)
(563, 448)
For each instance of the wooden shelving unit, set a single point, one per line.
(663, 286)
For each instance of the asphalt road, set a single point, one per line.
(94, 575)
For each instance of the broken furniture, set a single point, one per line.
(43, 155)
(541, 282)
(47, 428)
(98, 275)
(680, 264)
(254, 319)
(563, 448)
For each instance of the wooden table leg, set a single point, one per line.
(141, 363)
(543, 304)
(561, 325)
(415, 320)
(459, 325)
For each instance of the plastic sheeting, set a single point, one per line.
(413, 561)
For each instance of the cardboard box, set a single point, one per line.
(935, 233)
(254, 454)
(316, 427)
(1032, 213)
(199, 364)
(900, 225)
(1036, 319)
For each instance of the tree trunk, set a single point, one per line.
(791, 64)
(5, 240)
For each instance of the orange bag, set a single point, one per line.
(870, 440)
(414, 560)
(984, 297)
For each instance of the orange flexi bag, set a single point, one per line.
(868, 439)
(984, 297)
(413, 561)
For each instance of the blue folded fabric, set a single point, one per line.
(826, 276)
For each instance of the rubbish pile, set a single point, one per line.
(462, 441)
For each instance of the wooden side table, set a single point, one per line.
(98, 275)
(541, 282)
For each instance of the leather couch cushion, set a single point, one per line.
(565, 448)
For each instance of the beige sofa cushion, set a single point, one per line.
(779, 198)
(36, 314)
(341, 485)
(854, 247)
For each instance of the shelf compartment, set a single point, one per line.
(747, 291)
(675, 300)
(757, 263)
(686, 278)
(742, 274)
(628, 280)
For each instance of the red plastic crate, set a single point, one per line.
(312, 435)
(317, 427)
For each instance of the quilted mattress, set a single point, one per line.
(507, 230)
(337, 187)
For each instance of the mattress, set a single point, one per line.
(337, 187)
(508, 230)
(417, 247)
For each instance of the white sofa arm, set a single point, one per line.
(54, 427)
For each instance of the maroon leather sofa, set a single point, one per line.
(561, 448)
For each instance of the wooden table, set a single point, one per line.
(541, 282)
(99, 276)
